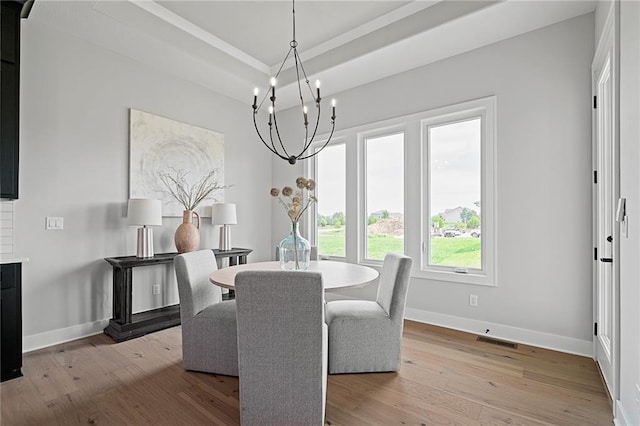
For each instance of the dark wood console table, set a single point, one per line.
(124, 324)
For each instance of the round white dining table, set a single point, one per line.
(335, 275)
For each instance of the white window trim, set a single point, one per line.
(486, 109)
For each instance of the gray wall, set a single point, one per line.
(542, 83)
(74, 163)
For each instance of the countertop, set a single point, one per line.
(12, 258)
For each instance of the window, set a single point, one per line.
(330, 170)
(421, 184)
(384, 213)
(454, 194)
(458, 181)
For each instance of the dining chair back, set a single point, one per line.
(366, 335)
(282, 347)
(209, 341)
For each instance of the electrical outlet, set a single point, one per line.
(473, 300)
(156, 289)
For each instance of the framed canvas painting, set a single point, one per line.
(159, 146)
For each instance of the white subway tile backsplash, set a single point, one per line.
(6, 227)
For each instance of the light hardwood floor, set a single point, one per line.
(447, 377)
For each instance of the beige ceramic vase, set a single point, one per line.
(188, 235)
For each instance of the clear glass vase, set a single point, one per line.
(295, 251)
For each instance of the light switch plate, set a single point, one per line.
(54, 223)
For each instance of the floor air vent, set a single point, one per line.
(497, 342)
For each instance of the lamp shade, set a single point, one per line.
(223, 214)
(143, 211)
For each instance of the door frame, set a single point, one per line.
(609, 41)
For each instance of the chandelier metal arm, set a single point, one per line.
(284, 61)
(275, 124)
(273, 150)
(295, 57)
(324, 145)
(306, 79)
(272, 143)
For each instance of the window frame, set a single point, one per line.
(485, 109)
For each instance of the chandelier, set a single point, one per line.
(275, 143)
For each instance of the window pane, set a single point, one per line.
(385, 195)
(454, 194)
(330, 164)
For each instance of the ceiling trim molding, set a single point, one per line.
(360, 31)
(166, 15)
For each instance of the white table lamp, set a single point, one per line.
(224, 214)
(145, 212)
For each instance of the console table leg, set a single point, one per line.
(122, 294)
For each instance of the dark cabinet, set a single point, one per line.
(9, 97)
(10, 321)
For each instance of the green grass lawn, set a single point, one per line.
(463, 252)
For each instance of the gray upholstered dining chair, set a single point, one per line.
(282, 347)
(364, 335)
(312, 256)
(209, 341)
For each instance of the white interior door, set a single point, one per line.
(605, 291)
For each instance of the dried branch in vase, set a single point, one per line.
(189, 195)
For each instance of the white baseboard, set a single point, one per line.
(504, 332)
(62, 335)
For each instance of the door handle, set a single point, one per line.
(610, 238)
(606, 259)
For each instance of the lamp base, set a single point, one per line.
(145, 242)
(225, 238)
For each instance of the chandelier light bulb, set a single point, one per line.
(273, 89)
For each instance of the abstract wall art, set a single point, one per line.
(159, 145)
